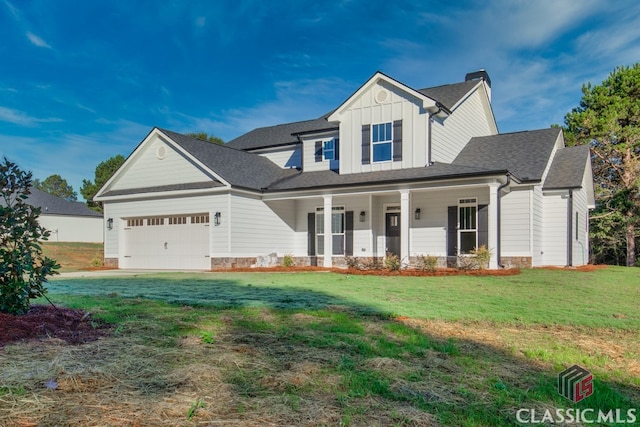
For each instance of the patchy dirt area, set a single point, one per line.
(47, 321)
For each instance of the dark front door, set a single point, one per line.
(392, 233)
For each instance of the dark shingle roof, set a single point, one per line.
(53, 205)
(449, 95)
(321, 179)
(237, 167)
(285, 134)
(567, 169)
(279, 135)
(524, 154)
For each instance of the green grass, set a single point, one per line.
(355, 350)
(603, 298)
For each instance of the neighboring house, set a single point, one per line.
(403, 171)
(67, 221)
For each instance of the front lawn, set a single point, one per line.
(330, 349)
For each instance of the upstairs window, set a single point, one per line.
(381, 142)
(329, 150)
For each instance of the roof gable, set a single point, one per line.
(452, 94)
(525, 154)
(568, 168)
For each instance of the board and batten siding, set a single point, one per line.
(150, 171)
(68, 228)
(114, 239)
(310, 163)
(364, 110)
(260, 228)
(450, 135)
(516, 221)
(286, 158)
(554, 230)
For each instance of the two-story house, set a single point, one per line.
(391, 170)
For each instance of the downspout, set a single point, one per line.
(429, 124)
(498, 254)
(570, 229)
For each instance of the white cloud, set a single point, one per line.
(21, 118)
(37, 41)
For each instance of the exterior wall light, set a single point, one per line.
(416, 214)
(216, 219)
(110, 224)
(362, 215)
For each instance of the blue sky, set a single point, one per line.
(82, 81)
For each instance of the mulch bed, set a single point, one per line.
(381, 272)
(46, 321)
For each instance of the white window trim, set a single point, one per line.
(389, 141)
(344, 229)
(333, 150)
(466, 202)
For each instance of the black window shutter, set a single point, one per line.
(348, 233)
(397, 140)
(366, 144)
(483, 225)
(311, 234)
(337, 149)
(318, 151)
(452, 232)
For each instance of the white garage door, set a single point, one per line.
(176, 242)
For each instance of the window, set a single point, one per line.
(177, 220)
(135, 222)
(381, 142)
(329, 150)
(337, 230)
(155, 221)
(200, 219)
(577, 238)
(467, 225)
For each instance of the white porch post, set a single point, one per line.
(405, 218)
(328, 235)
(493, 225)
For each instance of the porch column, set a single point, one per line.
(492, 237)
(328, 235)
(405, 218)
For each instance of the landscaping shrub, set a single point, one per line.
(427, 263)
(392, 262)
(287, 261)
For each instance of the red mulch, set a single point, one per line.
(46, 321)
(382, 272)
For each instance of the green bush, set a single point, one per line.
(287, 261)
(23, 267)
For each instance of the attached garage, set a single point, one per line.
(175, 242)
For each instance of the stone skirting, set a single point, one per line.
(516, 261)
(111, 262)
(250, 262)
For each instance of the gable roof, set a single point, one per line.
(237, 167)
(53, 205)
(567, 169)
(524, 154)
(284, 134)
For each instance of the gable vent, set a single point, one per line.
(161, 152)
(382, 96)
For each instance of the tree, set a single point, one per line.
(23, 268)
(608, 119)
(103, 172)
(203, 136)
(58, 186)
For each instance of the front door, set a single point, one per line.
(392, 232)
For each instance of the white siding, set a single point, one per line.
(145, 169)
(114, 239)
(67, 228)
(554, 230)
(580, 250)
(309, 153)
(286, 157)
(259, 228)
(451, 134)
(428, 235)
(364, 111)
(538, 234)
(516, 221)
